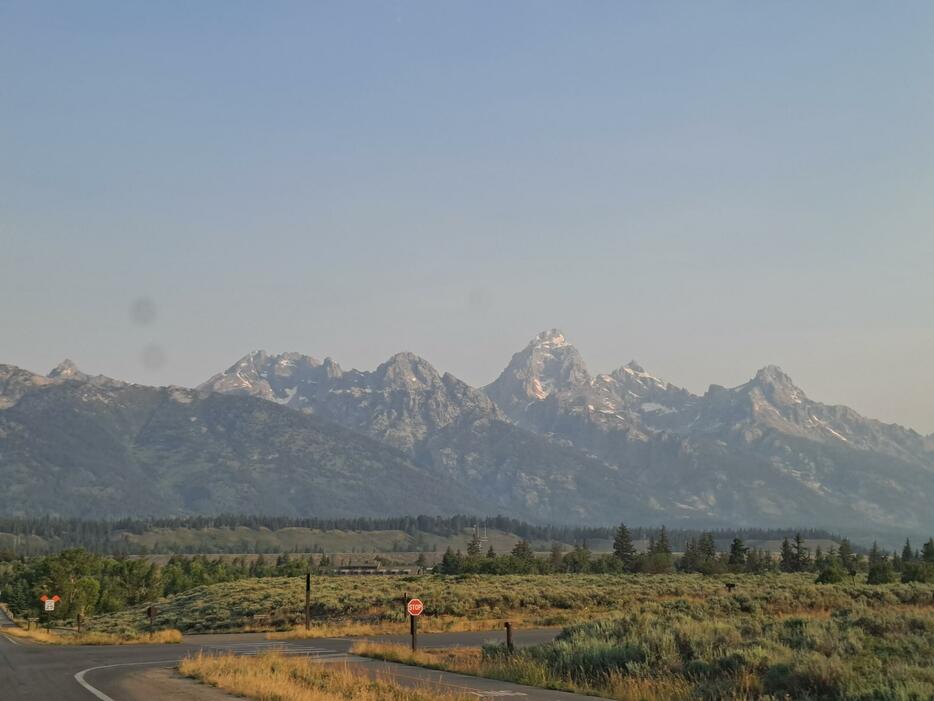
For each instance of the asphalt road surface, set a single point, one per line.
(32, 672)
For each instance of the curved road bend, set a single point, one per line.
(31, 672)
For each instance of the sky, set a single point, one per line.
(705, 187)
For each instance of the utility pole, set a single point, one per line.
(307, 600)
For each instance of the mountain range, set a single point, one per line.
(545, 441)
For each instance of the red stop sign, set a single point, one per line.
(415, 607)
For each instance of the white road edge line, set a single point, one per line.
(79, 677)
(18, 644)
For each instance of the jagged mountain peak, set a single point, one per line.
(67, 370)
(776, 385)
(331, 368)
(633, 372)
(553, 338)
(547, 365)
(407, 369)
(773, 374)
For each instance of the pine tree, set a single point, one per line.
(491, 553)
(473, 547)
(523, 551)
(623, 548)
(881, 572)
(847, 557)
(802, 555)
(662, 547)
(788, 562)
(907, 553)
(738, 552)
(820, 560)
(875, 555)
(927, 551)
(555, 560)
(450, 563)
(690, 560)
(706, 548)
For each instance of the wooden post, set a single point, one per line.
(151, 612)
(509, 645)
(413, 625)
(307, 600)
(79, 624)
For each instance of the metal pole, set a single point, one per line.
(307, 600)
(413, 624)
(509, 645)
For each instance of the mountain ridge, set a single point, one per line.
(547, 437)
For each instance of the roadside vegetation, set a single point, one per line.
(739, 646)
(55, 637)
(275, 677)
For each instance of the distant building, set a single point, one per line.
(375, 568)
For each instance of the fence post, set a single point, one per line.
(509, 645)
(307, 600)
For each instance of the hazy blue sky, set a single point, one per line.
(707, 187)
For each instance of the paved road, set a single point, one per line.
(132, 672)
(4, 620)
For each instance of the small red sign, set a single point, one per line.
(44, 598)
(415, 607)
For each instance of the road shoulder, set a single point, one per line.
(164, 683)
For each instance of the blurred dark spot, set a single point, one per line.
(153, 357)
(143, 311)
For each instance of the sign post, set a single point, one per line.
(151, 612)
(48, 605)
(307, 600)
(509, 645)
(415, 607)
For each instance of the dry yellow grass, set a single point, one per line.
(625, 688)
(427, 624)
(272, 677)
(470, 661)
(466, 660)
(45, 637)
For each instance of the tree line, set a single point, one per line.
(44, 535)
(700, 554)
(89, 583)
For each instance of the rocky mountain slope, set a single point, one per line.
(546, 441)
(440, 422)
(75, 445)
(80, 449)
(760, 452)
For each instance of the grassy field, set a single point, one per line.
(786, 641)
(662, 637)
(275, 678)
(545, 599)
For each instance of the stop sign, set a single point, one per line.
(415, 607)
